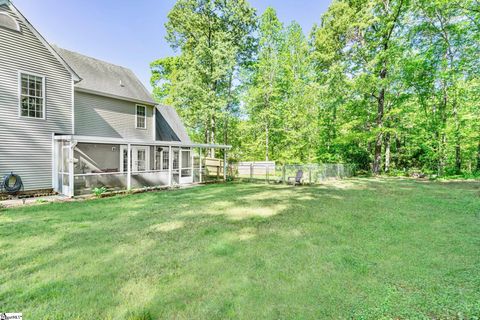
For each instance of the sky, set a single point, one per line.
(132, 33)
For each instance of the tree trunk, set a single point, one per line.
(207, 130)
(458, 149)
(377, 161)
(212, 136)
(227, 109)
(398, 152)
(442, 135)
(267, 133)
(225, 131)
(478, 157)
(387, 152)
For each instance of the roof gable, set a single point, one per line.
(169, 126)
(100, 77)
(37, 34)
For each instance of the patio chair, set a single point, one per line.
(297, 180)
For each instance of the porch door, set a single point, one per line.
(186, 172)
(64, 171)
(140, 158)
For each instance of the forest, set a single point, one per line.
(391, 86)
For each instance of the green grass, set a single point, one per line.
(362, 249)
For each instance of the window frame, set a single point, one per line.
(15, 21)
(44, 97)
(165, 155)
(144, 117)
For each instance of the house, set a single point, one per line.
(72, 123)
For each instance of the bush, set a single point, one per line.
(99, 192)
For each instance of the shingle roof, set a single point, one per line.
(104, 77)
(169, 125)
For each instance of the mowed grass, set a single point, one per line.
(360, 248)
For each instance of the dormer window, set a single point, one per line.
(140, 118)
(8, 22)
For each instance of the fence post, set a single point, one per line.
(251, 172)
(309, 174)
(200, 171)
(283, 174)
(267, 178)
(225, 165)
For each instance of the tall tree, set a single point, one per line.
(214, 38)
(263, 93)
(366, 34)
(389, 85)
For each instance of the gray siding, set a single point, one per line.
(108, 117)
(169, 125)
(26, 144)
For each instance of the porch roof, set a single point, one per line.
(105, 140)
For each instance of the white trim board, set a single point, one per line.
(104, 140)
(108, 95)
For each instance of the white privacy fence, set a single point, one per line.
(274, 173)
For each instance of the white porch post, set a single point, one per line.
(129, 166)
(180, 165)
(54, 163)
(192, 162)
(170, 166)
(71, 168)
(225, 165)
(200, 165)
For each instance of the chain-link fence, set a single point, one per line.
(272, 173)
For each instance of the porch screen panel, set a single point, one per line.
(158, 159)
(125, 160)
(186, 163)
(176, 160)
(141, 160)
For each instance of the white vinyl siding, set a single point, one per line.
(141, 117)
(25, 143)
(101, 116)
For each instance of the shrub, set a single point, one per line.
(99, 192)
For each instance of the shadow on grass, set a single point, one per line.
(188, 252)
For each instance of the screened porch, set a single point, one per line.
(82, 164)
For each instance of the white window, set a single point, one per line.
(8, 22)
(32, 96)
(141, 115)
(165, 160)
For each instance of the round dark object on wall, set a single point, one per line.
(12, 183)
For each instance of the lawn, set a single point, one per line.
(360, 248)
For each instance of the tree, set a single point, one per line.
(389, 85)
(263, 89)
(361, 35)
(214, 38)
